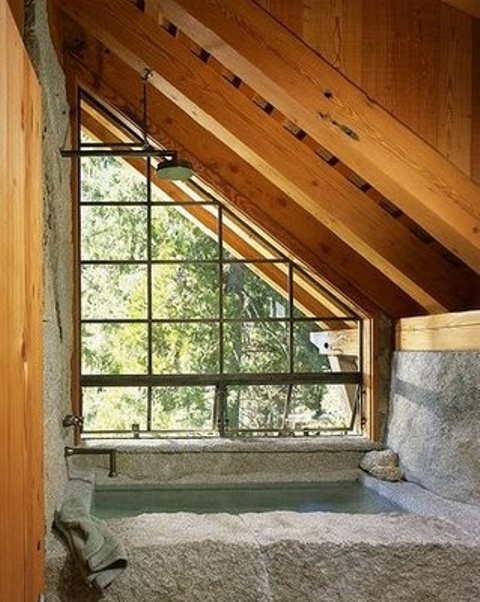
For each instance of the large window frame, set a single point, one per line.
(223, 380)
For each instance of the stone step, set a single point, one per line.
(282, 557)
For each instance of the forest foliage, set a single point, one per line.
(156, 299)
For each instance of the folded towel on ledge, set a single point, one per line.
(94, 546)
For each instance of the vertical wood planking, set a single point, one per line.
(17, 8)
(12, 449)
(287, 12)
(21, 415)
(455, 88)
(377, 69)
(475, 162)
(399, 61)
(416, 58)
(334, 29)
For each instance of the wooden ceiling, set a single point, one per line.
(265, 98)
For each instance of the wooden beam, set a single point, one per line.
(471, 7)
(275, 153)
(455, 117)
(444, 332)
(378, 346)
(247, 191)
(337, 342)
(322, 102)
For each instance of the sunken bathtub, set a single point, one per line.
(415, 547)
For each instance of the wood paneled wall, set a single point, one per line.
(21, 374)
(419, 59)
(443, 332)
(17, 8)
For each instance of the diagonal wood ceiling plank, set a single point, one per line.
(420, 181)
(308, 240)
(275, 153)
(232, 118)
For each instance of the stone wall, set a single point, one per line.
(383, 366)
(57, 248)
(434, 422)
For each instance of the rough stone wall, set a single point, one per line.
(57, 249)
(383, 359)
(434, 421)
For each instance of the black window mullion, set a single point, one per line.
(149, 292)
(222, 380)
(291, 342)
(221, 391)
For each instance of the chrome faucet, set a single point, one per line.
(95, 451)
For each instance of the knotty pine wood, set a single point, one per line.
(383, 152)
(394, 50)
(337, 26)
(21, 412)
(444, 332)
(310, 242)
(322, 192)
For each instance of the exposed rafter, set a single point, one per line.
(337, 114)
(309, 241)
(310, 300)
(219, 108)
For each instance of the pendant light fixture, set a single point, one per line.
(170, 166)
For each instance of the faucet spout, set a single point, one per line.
(72, 420)
(85, 451)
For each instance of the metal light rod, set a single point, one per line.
(119, 152)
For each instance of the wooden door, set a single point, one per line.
(21, 413)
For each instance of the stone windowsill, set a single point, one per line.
(217, 445)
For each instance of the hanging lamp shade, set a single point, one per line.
(175, 169)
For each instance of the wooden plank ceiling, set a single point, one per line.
(289, 142)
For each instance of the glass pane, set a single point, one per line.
(110, 180)
(114, 408)
(253, 245)
(114, 349)
(183, 291)
(254, 290)
(113, 233)
(183, 408)
(185, 348)
(328, 346)
(256, 406)
(321, 406)
(114, 292)
(256, 347)
(179, 233)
